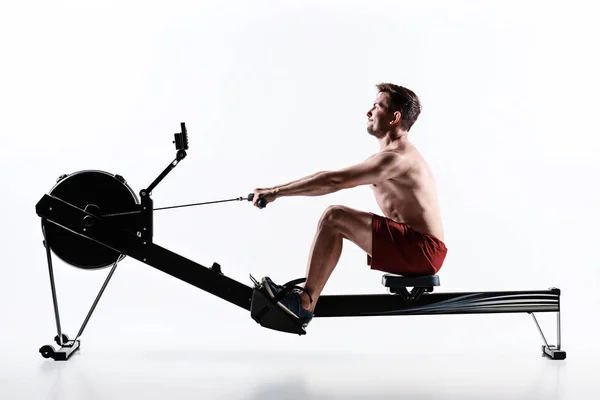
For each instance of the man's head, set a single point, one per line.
(396, 109)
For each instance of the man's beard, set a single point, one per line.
(373, 132)
(370, 129)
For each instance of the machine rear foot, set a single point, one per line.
(63, 353)
(553, 352)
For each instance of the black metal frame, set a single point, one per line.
(131, 234)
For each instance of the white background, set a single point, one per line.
(272, 91)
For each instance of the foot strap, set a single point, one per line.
(287, 287)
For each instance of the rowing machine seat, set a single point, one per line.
(398, 281)
(397, 284)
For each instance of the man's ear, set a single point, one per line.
(397, 117)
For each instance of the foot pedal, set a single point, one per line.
(269, 315)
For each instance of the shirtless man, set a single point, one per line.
(407, 240)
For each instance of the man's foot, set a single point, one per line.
(289, 300)
(272, 288)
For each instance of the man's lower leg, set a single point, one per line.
(324, 256)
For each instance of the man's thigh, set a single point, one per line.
(354, 225)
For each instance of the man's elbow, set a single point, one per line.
(332, 177)
(338, 181)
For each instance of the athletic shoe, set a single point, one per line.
(289, 300)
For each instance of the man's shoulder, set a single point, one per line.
(397, 162)
(403, 156)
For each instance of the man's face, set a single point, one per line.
(379, 116)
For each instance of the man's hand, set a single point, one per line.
(267, 194)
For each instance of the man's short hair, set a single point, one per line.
(403, 100)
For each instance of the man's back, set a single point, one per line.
(410, 196)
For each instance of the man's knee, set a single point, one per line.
(333, 215)
(350, 223)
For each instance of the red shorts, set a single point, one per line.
(399, 249)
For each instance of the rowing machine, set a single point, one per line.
(92, 220)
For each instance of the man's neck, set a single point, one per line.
(393, 141)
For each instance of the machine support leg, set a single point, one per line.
(67, 346)
(551, 351)
(52, 287)
(87, 318)
(558, 329)
(539, 329)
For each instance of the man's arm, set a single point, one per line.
(375, 169)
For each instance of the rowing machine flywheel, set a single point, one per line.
(99, 193)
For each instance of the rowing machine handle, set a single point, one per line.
(262, 203)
